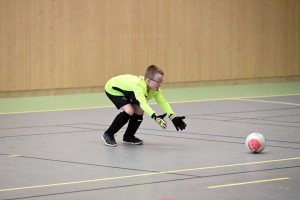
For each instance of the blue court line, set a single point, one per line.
(214, 135)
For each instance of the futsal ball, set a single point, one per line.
(255, 142)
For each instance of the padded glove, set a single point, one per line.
(160, 120)
(178, 121)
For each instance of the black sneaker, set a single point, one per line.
(109, 140)
(132, 140)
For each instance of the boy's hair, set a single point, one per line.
(152, 70)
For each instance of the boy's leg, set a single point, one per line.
(133, 125)
(120, 120)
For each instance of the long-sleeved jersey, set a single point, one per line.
(135, 88)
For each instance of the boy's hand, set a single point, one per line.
(160, 120)
(178, 122)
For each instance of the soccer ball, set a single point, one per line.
(255, 142)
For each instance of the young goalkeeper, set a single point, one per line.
(131, 93)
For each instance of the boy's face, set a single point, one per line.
(155, 82)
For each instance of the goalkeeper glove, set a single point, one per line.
(160, 120)
(178, 121)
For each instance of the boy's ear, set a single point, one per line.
(147, 80)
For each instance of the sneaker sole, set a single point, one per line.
(137, 143)
(111, 145)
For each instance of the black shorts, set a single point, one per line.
(119, 101)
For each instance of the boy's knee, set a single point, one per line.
(128, 109)
(138, 110)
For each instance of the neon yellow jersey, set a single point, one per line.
(135, 88)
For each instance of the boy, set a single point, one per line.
(131, 93)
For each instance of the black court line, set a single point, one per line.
(201, 114)
(188, 116)
(211, 135)
(56, 133)
(53, 125)
(237, 121)
(25, 127)
(241, 118)
(258, 118)
(198, 134)
(247, 111)
(156, 182)
(58, 125)
(274, 116)
(90, 164)
(211, 140)
(74, 125)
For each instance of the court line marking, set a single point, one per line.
(192, 101)
(233, 98)
(147, 174)
(278, 102)
(16, 155)
(250, 182)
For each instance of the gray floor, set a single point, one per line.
(60, 155)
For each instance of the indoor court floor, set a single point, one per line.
(60, 154)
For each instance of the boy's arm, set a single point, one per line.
(147, 109)
(163, 104)
(140, 97)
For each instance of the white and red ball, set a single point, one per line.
(255, 142)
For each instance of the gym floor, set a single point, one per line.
(52, 147)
